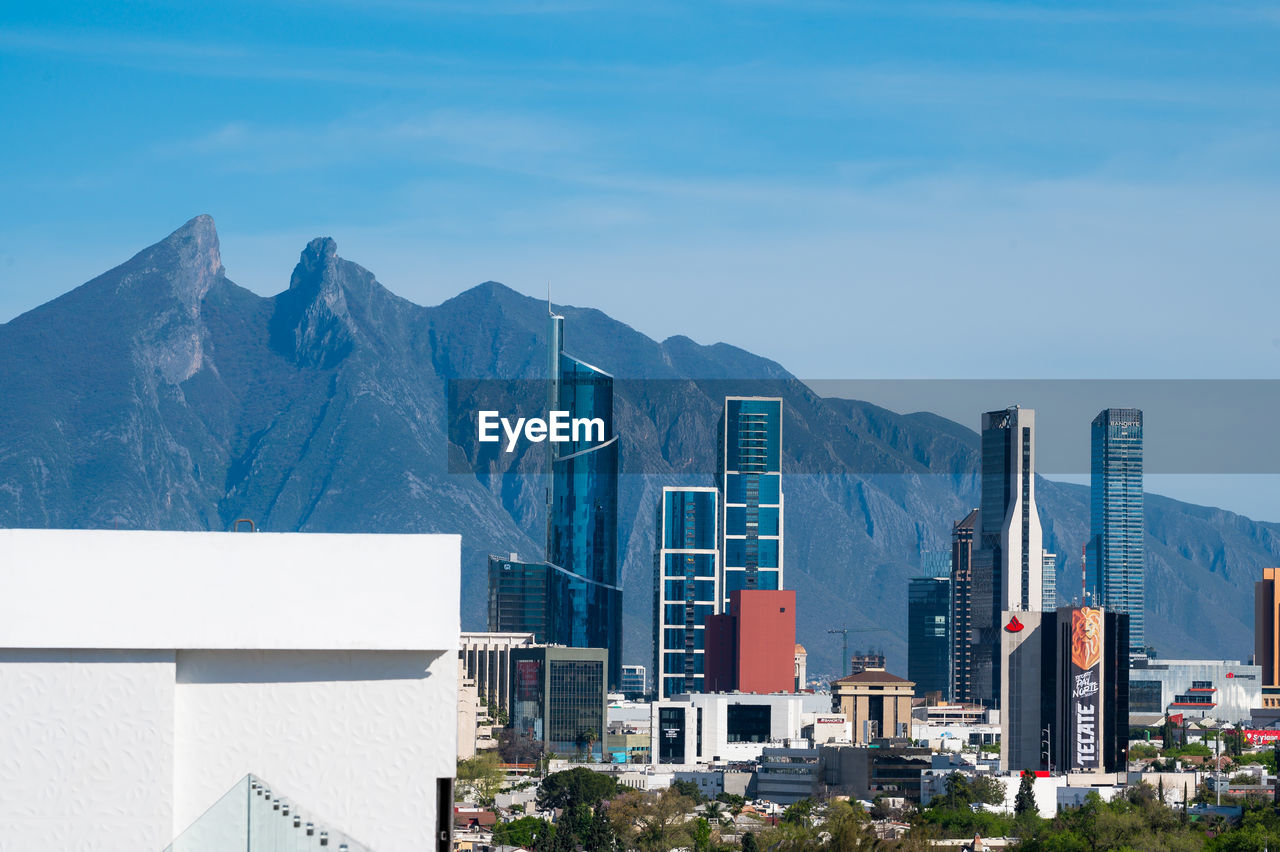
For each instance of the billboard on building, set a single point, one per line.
(1085, 715)
(528, 673)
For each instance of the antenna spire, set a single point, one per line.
(551, 311)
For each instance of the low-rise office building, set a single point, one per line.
(486, 660)
(727, 727)
(1225, 690)
(883, 767)
(559, 698)
(787, 775)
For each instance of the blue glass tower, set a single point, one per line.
(1114, 569)
(584, 598)
(686, 578)
(750, 462)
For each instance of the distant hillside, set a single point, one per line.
(162, 395)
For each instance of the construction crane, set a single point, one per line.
(844, 645)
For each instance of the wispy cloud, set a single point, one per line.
(493, 139)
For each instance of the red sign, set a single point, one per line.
(1231, 674)
(1261, 737)
(1014, 625)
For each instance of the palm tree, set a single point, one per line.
(586, 738)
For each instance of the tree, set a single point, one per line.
(586, 739)
(1167, 733)
(701, 835)
(848, 827)
(749, 842)
(518, 746)
(963, 791)
(577, 786)
(521, 832)
(600, 834)
(1025, 801)
(652, 822)
(988, 790)
(735, 802)
(798, 813)
(689, 789)
(482, 774)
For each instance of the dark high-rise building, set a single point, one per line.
(1114, 572)
(686, 578)
(1092, 701)
(929, 635)
(518, 597)
(584, 595)
(962, 608)
(1266, 621)
(1065, 673)
(1008, 557)
(750, 473)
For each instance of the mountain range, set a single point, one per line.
(161, 395)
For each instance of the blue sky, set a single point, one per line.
(871, 190)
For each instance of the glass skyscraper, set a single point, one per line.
(750, 473)
(929, 635)
(518, 597)
(1114, 570)
(686, 575)
(584, 596)
(962, 549)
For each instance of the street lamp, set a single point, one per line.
(1227, 727)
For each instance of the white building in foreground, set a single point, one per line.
(143, 675)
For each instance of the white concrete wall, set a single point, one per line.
(356, 738)
(326, 665)
(86, 750)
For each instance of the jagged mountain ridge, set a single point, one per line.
(162, 395)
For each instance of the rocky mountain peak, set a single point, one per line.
(192, 252)
(312, 319)
(316, 262)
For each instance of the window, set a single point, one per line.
(748, 723)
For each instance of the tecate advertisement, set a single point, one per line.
(1086, 687)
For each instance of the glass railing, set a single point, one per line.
(253, 817)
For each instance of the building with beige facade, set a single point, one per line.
(878, 704)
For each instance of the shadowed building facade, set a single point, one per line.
(962, 608)
(929, 634)
(1266, 639)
